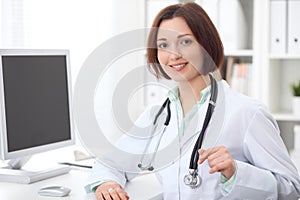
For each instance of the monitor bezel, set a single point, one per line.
(5, 154)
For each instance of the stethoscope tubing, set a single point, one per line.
(166, 123)
(212, 103)
(149, 165)
(195, 156)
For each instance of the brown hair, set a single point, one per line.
(203, 29)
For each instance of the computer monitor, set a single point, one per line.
(35, 109)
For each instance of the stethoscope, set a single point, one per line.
(192, 179)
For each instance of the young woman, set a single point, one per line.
(248, 160)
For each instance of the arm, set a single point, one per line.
(270, 173)
(104, 178)
(107, 182)
(101, 174)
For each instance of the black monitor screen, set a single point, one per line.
(36, 100)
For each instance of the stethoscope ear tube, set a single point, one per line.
(149, 166)
(169, 113)
(166, 103)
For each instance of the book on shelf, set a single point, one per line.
(238, 75)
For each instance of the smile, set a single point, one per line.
(178, 67)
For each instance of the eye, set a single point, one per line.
(186, 42)
(162, 45)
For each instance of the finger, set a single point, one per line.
(201, 151)
(221, 166)
(103, 191)
(99, 197)
(203, 154)
(113, 193)
(218, 157)
(201, 158)
(106, 195)
(122, 194)
(213, 152)
(214, 159)
(98, 194)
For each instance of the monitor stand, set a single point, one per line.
(15, 174)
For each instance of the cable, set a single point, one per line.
(75, 165)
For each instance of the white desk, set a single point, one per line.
(140, 188)
(144, 187)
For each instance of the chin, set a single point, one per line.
(184, 77)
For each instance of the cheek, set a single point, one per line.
(162, 57)
(196, 60)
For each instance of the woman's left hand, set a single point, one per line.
(219, 160)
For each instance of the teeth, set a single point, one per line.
(178, 66)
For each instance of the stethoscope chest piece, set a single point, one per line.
(192, 179)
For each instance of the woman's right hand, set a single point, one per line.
(111, 191)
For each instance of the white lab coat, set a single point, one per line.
(263, 166)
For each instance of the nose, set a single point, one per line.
(175, 54)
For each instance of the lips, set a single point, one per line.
(178, 67)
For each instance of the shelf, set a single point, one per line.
(284, 56)
(239, 53)
(286, 117)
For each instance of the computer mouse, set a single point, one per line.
(54, 191)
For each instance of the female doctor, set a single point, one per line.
(249, 159)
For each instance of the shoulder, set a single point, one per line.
(243, 108)
(238, 102)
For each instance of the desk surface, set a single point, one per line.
(75, 180)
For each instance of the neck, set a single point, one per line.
(189, 92)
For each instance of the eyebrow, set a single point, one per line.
(179, 36)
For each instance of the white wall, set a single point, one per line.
(77, 25)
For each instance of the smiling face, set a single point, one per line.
(178, 51)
